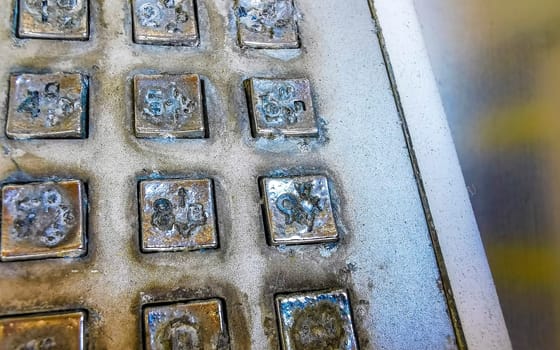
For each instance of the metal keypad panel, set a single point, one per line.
(207, 175)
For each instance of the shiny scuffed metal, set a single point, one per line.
(168, 106)
(316, 321)
(298, 210)
(65, 330)
(186, 325)
(270, 24)
(165, 22)
(53, 19)
(177, 215)
(47, 106)
(43, 220)
(281, 107)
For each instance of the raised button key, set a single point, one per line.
(316, 321)
(298, 210)
(43, 220)
(43, 331)
(168, 106)
(267, 24)
(165, 22)
(190, 325)
(177, 215)
(53, 19)
(281, 107)
(47, 106)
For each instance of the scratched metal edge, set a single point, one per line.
(446, 282)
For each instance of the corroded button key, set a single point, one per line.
(281, 107)
(47, 106)
(43, 220)
(316, 321)
(177, 215)
(267, 24)
(298, 210)
(53, 19)
(43, 331)
(189, 325)
(165, 22)
(168, 106)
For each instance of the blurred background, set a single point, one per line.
(497, 63)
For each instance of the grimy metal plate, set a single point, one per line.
(367, 276)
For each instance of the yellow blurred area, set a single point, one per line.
(524, 267)
(498, 67)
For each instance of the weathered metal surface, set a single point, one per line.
(53, 19)
(43, 220)
(298, 210)
(186, 325)
(177, 215)
(43, 331)
(267, 24)
(383, 257)
(316, 321)
(281, 107)
(168, 106)
(47, 106)
(165, 22)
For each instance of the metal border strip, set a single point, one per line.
(473, 303)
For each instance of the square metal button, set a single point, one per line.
(281, 107)
(177, 215)
(298, 210)
(47, 106)
(316, 321)
(267, 24)
(168, 106)
(53, 19)
(165, 22)
(43, 331)
(43, 220)
(190, 325)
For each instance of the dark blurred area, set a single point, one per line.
(497, 64)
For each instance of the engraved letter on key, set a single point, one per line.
(53, 19)
(47, 106)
